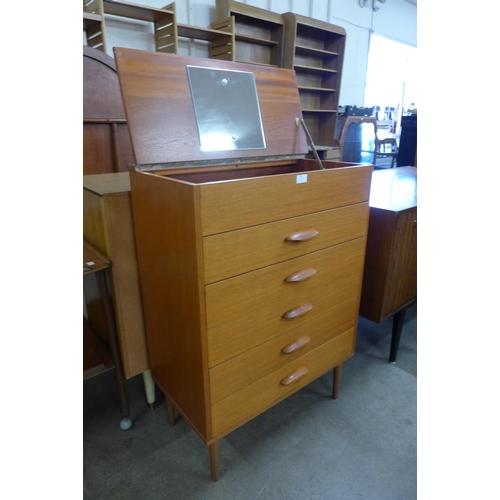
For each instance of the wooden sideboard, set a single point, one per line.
(250, 266)
(390, 277)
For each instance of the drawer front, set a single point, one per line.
(247, 403)
(245, 311)
(226, 206)
(236, 252)
(240, 371)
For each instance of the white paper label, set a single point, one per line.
(301, 178)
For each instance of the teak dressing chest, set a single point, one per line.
(250, 256)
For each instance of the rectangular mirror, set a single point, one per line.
(227, 109)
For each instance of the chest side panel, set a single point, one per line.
(168, 246)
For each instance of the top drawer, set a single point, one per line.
(247, 197)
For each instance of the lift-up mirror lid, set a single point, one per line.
(188, 111)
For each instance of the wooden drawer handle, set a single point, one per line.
(295, 376)
(304, 235)
(302, 275)
(296, 345)
(298, 311)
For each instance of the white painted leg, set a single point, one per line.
(150, 387)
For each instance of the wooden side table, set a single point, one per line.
(108, 226)
(390, 275)
(101, 353)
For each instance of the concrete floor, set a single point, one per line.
(360, 446)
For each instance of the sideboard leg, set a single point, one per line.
(337, 371)
(397, 327)
(170, 411)
(214, 460)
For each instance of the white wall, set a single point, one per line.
(394, 19)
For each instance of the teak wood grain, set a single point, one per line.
(169, 254)
(232, 205)
(236, 252)
(236, 373)
(246, 310)
(217, 334)
(390, 276)
(267, 391)
(106, 140)
(161, 117)
(108, 226)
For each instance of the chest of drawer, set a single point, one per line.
(247, 310)
(243, 405)
(215, 195)
(240, 371)
(235, 252)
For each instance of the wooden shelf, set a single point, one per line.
(309, 50)
(197, 33)
(166, 29)
(259, 33)
(313, 68)
(316, 89)
(135, 11)
(256, 63)
(315, 50)
(93, 24)
(96, 359)
(258, 41)
(90, 20)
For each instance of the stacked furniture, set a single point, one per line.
(243, 33)
(107, 209)
(167, 31)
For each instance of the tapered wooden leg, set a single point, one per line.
(214, 460)
(149, 385)
(337, 371)
(170, 412)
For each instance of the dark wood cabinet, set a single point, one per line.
(390, 275)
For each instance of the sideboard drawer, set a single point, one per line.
(240, 371)
(243, 312)
(265, 392)
(236, 252)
